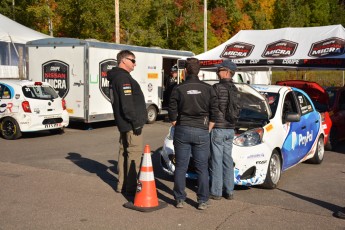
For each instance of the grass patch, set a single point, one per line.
(323, 77)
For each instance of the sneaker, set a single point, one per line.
(180, 204)
(213, 197)
(229, 196)
(202, 206)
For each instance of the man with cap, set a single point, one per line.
(170, 84)
(222, 135)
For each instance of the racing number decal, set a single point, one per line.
(104, 67)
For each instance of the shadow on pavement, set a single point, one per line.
(324, 204)
(95, 167)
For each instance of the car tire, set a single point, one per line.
(151, 114)
(319, 153)
(273, 171)
(332, 140)
(10, 129)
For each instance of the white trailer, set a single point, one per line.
(77, 69)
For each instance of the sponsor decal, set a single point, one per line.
(237, 50)
(291, 61)
(56, 73)
(17, 96)
(303, 140)
(205, 63)
(104, 67)
(269, 127)
(127, 89)
(280, 49)
(329, 47)
(152, 75)
(150, 87)
(258, 155)
(261, 162)
(70, 111)
(3, 108)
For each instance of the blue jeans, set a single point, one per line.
(222, 164)
(196, 142)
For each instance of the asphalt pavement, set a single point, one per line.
(67, 182)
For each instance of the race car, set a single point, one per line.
(278, 128)
(27, 106)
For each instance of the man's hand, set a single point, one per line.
(137, 131)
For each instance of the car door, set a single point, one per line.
(310, 124)
(291, 147)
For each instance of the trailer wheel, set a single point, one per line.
(151, 114)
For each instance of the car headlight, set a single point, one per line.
(249, 138)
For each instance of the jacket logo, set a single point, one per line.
(193, 92)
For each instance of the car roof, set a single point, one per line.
(19, 82)
(313, 89)
(271, 88)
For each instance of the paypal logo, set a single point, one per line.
(303, 140)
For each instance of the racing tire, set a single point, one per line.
(151, 114)
(332, 140)
(10, 129)
(273, 171)
(319, 153)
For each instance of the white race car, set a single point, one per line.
(278, 128)
(27, 106)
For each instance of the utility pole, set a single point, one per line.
(205, 25)
(117, 22)
(13, 15)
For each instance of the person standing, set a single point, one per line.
(222, 135)
(192, 110)
(130, 114)
(170, 83)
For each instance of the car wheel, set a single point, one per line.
(273, 171)
(10, 129)
(332, 140)
(319, 153)
(151, 114)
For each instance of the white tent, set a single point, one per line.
(13, 37)
(300, 48)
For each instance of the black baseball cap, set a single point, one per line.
(227, 64)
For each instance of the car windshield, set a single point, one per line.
(252, 108)
(272, 99)
(43, 92)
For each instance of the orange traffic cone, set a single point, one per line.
(146, 195)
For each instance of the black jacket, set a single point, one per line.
(127, 100)
(193, 103)
(221, 89)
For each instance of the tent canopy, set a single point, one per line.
(11, 31)
(298, 48)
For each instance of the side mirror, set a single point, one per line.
(292, 117)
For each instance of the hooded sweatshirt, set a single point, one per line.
(127, 100)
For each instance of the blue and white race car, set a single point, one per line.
(278, 128)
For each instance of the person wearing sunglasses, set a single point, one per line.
(130, 114)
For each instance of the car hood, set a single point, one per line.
(316, 92)
(253, 101)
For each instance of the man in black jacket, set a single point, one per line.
(222, 166)
(130, 114)
(192, 110)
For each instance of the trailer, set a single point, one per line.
(77, 70)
